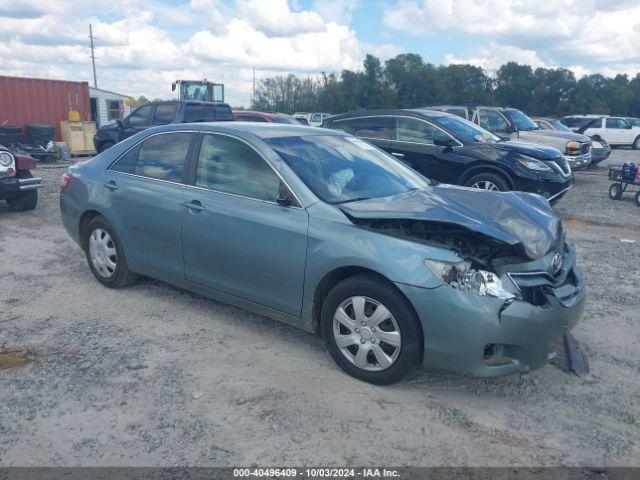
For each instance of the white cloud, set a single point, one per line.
(593, 35)
(144, 45)
(493, 56)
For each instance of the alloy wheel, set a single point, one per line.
(102, 252)
(366, 333)
(485, 185)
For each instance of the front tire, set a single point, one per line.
(615, 191)
(105, 255)
(636, 143)
(637, 198)
(371, 330)
(488, 181)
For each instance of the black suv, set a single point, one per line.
(160, 113)
(449, 149)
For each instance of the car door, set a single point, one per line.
(236, 238)
(137, 121)
(494, 121)
(143, 189)
(414, 140)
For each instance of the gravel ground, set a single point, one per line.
(154, 375)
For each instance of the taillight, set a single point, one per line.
(65, 181)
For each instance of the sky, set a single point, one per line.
(144, 45)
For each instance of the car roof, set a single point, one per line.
(411, 112)
(259, 129)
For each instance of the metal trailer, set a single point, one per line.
(623, 177)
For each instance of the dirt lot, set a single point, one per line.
(153, 375)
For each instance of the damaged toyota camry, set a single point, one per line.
(326, 232)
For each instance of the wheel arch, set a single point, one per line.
(85, 218)
(334, 277)
(484, 168)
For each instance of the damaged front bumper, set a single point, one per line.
(486, 337)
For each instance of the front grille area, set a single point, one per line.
(563, 165)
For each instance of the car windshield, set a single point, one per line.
(559, 126)
(341, 169)
(523, 122)
(465, 130)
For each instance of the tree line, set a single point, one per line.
(406, 81)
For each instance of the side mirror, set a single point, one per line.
(173, 87)
(444, 142)
(120, 124)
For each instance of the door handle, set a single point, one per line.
(194, 206)
(111, 185)
(396, 154)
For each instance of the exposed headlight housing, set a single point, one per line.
(573, 148)
(533, 164)
(461, 276)
(6, 159)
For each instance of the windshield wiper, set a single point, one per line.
(357, 199)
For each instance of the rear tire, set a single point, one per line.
(615, 191)
(105, 255)
(637, 198)
(636, 143)
(24, 202)
(391, 348)
(488, 181)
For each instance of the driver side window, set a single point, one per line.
(140, 116)
(493, 121)
(417, 131)
(229, 165)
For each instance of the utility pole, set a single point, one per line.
(253, 89)
(93, 58)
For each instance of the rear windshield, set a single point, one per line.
(285, 119)
(207, 113)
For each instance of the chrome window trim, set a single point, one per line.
(459, 143)
(301, 207)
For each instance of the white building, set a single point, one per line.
(106, 106)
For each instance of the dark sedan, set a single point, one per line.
(449, 149)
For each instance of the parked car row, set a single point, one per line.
(616, 131)
(324, 230)
(513, 123)
(449, 149)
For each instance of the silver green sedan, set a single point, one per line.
(324, 231)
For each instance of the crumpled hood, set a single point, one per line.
(530, 149)
(511, 217)
(553, 135)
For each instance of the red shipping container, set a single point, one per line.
(37, 100)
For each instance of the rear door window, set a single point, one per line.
(194, 112)
(368, 127)
(416, 131)
(165, 113)
(160, 156)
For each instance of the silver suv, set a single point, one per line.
(513, 123)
